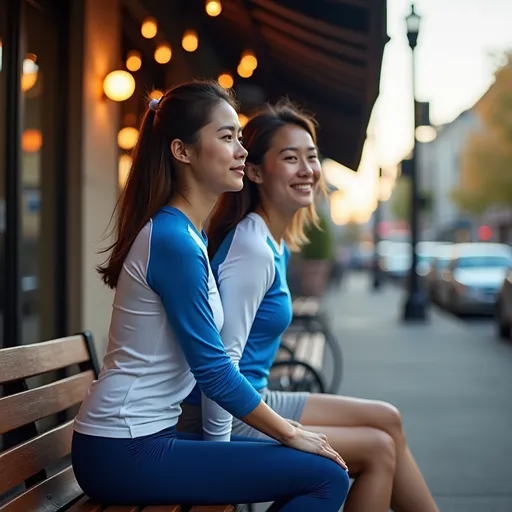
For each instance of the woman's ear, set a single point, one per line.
(179, 151)
(253, 172)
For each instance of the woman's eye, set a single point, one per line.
(291, 158)
(228, 137)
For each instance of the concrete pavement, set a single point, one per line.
(452, 382)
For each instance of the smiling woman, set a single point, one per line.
(164, 336)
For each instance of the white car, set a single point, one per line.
(472, 280)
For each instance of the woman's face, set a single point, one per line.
(291, 169)
(218, 157)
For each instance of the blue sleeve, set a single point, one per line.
(178, 273)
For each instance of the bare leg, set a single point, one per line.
(410, 492)
(370, 456)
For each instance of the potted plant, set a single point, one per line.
(316, 259)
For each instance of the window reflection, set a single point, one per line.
(37, 164)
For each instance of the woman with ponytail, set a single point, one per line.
(164, 337)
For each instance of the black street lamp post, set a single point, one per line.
(376, 283)
(415, 308)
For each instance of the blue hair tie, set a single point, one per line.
(153, 104)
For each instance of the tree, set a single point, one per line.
(486, 162)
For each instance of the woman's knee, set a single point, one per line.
(390, 421)
(381, 451)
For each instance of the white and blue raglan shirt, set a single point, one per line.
(164, 336)
(250, 270)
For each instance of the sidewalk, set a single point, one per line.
(452, 385)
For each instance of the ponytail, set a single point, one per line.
(179, 114)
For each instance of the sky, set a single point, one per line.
(454, 66)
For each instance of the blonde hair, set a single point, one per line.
(232, 207)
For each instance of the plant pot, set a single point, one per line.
(314, 277)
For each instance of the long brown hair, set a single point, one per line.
(232, 207)
(152, 182)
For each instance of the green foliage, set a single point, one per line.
(320, 246)
(486, 173)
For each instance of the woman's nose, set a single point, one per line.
(241, 152)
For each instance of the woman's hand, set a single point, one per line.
(313, 442)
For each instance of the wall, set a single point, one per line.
(94, 188)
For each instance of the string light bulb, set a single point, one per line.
(149, 28)
(243, 71)
(163, 53)
(249, 60)
(213, 7)
(190, 41)
(133, 61)
(226, 80)
(127, 137)
(119, 85)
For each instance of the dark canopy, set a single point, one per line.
(324, 54)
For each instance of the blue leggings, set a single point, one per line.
(170, 467)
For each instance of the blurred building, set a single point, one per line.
(439, 167)
(65, 137)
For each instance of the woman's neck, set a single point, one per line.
(196, 206)
(277, 222)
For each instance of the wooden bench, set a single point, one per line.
(299, 365)
(36, 426)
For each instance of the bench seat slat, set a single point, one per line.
(123, 508)
(28, 360)
(35, 404)
(213, 508)
(26, 459)
(85, 505)
(162, 508)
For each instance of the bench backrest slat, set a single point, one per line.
(26, 459)
(50, 495)
(35, 404)
(28, 360)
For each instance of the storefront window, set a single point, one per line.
(39, 163)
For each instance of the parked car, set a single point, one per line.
(472, 280)
(504, 308)
(440, 261)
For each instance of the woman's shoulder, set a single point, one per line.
(173, 236)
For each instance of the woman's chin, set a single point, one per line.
(235, 185)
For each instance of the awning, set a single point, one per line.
(324, 54)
